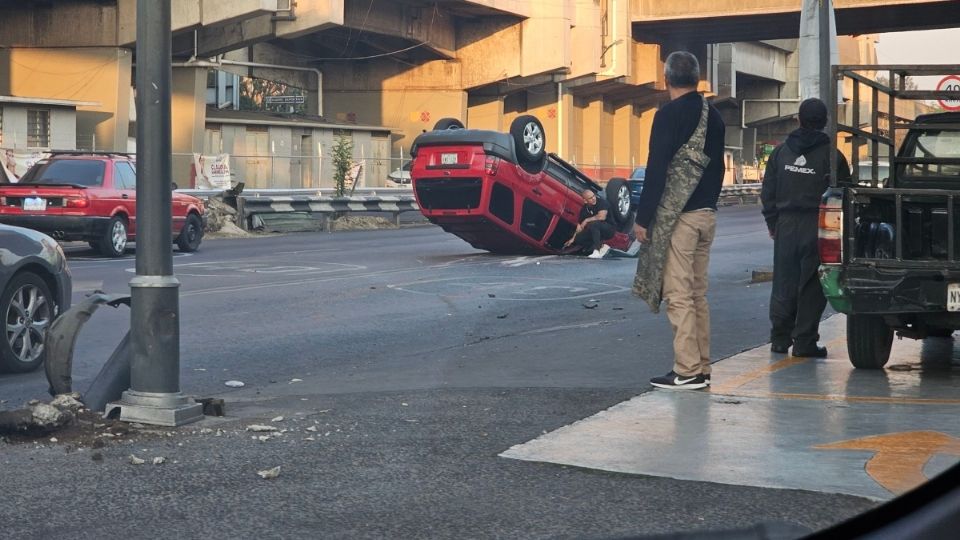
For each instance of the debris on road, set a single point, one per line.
(134, 460)
(159, 460)
(267, 474)
(234, 384)
(503, 316)
(312, 428)
(295, 380)
(69, 401)
(260, 428)
(277, 419)
(591, 304)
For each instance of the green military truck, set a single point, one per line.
(890, 247)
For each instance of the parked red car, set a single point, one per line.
(91, 197)
(503, 193)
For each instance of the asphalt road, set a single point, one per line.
(435, 357)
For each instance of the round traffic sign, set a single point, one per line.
(950, 83)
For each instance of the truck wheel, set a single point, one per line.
(190, 236)
(868, 341)
(529, 139)
(447, 123)
(28, 309)
(114, 240)
(618, 195)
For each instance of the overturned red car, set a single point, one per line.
(503, 193)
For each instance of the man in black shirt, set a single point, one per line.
(685, 271)
(797, 175)
(594, 227)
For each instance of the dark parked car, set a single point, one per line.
(502, 192)
(36, 287)
(635, 182)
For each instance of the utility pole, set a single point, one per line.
(826, 80)
(154, 396)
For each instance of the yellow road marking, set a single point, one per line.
(750, 376)
(898, 459)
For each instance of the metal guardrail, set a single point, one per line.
(386, 200)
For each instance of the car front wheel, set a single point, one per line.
(618, 195)
(114, 241)
(190, 236)
(28, 310)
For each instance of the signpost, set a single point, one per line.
(950, 83)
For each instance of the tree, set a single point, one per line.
(342, 154)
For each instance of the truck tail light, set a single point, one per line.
(830, 235)
(76, 202)
(492, 165)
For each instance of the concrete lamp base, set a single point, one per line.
(156, 409)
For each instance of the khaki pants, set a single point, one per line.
(685, 290)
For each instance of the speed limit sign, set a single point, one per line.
(950, 83)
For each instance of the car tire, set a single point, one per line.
(191, 235)
(618, 195)
(114, 240)
(447, 123)
(868, 341)
(529, 139)
(29, 308)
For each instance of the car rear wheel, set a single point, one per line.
(114, 241)
(868, 341)
(529, 139)
(618, 195)
(190, 236)
(447, 123)
(28, 309)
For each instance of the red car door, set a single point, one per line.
(125, 184)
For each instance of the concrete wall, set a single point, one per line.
(63, 126)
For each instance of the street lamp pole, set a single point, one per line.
(154, 396)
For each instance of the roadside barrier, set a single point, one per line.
(393, 201)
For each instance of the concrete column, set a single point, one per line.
(189, 115)
(624, 140)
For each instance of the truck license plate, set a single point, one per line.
(34, 203)
(448, 159)
(953, 297)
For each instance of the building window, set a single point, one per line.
(38, 128)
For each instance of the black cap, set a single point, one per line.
(813, 114)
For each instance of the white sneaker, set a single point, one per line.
(595, 255)
(604, 249)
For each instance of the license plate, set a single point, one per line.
(448, 159)
(953, 297)
(35, 203)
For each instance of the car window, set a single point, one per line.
(82, 172)
(933, 144)
(124, 176)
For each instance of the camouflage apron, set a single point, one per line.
(683, 175)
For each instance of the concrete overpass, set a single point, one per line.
(722, 21)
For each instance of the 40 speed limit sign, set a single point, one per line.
(950, 83)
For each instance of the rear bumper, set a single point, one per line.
(61, 227)
(869, 290)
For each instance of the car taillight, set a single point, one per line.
(830, 235)
(76, 202)
(492, 164)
